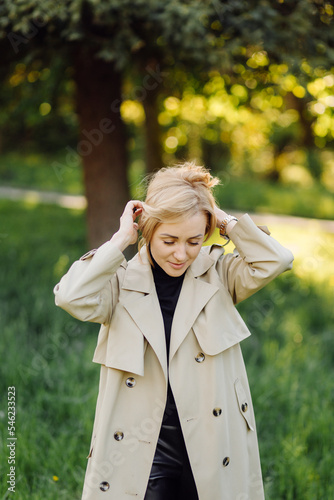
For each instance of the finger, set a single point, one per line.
(130, 207)
(137, 203)
(137, 211)
(137, 208)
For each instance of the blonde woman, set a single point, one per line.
(174, 417)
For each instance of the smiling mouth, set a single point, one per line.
(175, 264)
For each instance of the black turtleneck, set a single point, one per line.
(168, 290)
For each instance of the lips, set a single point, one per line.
(177, 266)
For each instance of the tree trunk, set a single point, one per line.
(153, 147)
(102, 144)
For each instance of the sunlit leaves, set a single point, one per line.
(132, 112)
(264, 123)
(258, 59)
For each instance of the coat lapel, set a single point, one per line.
(145, 312)
(194, 296)
(141, 302)
(143, 306)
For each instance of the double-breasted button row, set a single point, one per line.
(119, 435)
(200, 357)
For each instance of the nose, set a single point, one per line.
(180, 253)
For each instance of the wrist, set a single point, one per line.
(226, 225)
(120, 240)
(220, 215)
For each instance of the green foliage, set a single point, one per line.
(185, 31)
(37, 106)
(259, 111)
(287, 30)
(273, 59)
(115, 29)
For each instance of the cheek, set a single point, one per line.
(158, 250)
(195, 251)
(163, 251)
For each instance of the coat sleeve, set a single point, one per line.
(89, 288)
(258, 259)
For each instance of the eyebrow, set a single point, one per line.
(176, 237)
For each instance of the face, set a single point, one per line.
(175, 246)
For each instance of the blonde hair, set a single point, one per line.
(174, 194)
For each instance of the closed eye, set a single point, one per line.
(192, 243)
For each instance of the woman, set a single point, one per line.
(174, 417)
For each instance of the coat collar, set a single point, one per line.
(139, 278)
(145, 310)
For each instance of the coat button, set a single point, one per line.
(104, 486)
(217, 412)
(130, 382)
(244, 407)
(119, 435)
(200, 357)
(226, 461)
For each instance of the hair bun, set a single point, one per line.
(196, 174)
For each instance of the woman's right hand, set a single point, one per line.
(128, 229)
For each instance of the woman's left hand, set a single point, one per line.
(220, 214)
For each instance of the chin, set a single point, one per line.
(172, 271)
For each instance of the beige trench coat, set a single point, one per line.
(206, 368)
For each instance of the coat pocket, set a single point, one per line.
(244, 404)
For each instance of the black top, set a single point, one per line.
(168, 291)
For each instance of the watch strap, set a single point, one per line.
(224, 224)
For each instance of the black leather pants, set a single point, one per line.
(171, 477)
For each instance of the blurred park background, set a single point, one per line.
(95, 95)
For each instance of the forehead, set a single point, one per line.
(188, 227)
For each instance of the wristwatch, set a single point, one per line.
(223, 225)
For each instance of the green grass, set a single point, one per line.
(290, 359)
(46, 355)
(60, 173)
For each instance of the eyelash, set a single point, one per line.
(172, 243)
